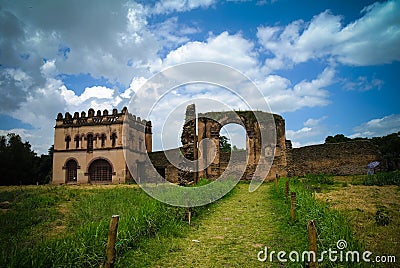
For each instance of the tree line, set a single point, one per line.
(20, 164)
(389, 146)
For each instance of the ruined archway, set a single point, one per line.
(257, 152)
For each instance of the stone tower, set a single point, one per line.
(88, 147)
(189, 146)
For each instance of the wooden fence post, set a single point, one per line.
(312, 243)
(112, 238)
(188, 212)
(293, 206)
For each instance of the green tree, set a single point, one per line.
(18, 160)
(20, 164)
(389, 146)
(337, 138)
(224, 145)
(236, 149)
(43, 167)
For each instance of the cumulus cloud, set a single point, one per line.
(238, 52)
(15, 85)
(233, 50)
(372, 39)
(101, 42)
(312, 132)
(283, 97)
(378, 127)
(122, 42)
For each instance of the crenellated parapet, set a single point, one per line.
(92, 118)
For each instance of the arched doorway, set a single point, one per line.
(100, 170)
(71, 168)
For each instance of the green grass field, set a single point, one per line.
(66, 226)
(49, 226)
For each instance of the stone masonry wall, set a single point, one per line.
(347, 158)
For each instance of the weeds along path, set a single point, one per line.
(230, 235)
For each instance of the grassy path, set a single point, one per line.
(230, 235)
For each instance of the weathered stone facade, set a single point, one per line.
(345, 158)
(88, 148)
(189, 146)
(250, 120)
(208, 127)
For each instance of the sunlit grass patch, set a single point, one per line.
(31, 237)
(360, 205)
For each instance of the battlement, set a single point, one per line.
(100, 118)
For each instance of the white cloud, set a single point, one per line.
(172, 34)
(99, 92)
(110, 41)
(284, 98)
(49, 69)
(299, 134)
(311, 122)
(372, 39)
(168, 6)
(233, 50)
(378, 127)
(313, 132)
(362, 83)
(116, 41)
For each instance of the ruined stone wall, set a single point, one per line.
(347, 158)
(186, 174)
(209, 128)
(160, 162)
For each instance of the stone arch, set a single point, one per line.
(100, 169)
(71, 170)
(210, 125)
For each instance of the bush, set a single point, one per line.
(382, 217)
(383, 178)
(319, 179)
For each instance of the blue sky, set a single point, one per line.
(327, 67)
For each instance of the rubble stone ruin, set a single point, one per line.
(88, 149)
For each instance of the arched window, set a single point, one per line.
(71, 170)
(113, 139)
(100, 170)
(89, 139)
(67, 141)
(103, 140)
(77, 139)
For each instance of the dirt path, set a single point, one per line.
(231, 235)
